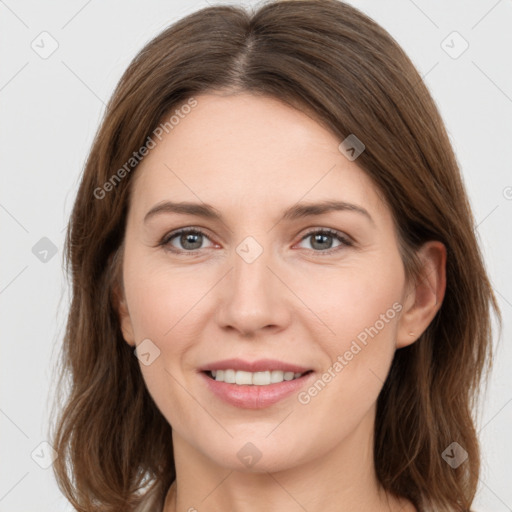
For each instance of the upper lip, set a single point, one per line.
(260, 365)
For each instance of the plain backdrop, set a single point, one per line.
(51, 106)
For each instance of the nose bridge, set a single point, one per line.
(251, 262)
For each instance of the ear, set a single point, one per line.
(121, 308)
(124, 316)
(424, 298)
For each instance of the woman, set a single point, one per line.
(278, 299)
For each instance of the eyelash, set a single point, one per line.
(336, 234)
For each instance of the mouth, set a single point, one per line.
(254, 390)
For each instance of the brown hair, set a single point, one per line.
(330, 60)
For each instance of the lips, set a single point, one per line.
(255, 396)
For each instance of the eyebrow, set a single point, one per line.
(297, 211)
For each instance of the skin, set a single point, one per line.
(251, 157)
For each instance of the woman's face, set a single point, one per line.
(267, 277)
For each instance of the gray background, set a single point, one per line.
(50, 109)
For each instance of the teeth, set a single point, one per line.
(253, 378)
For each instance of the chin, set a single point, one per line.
(251, 455)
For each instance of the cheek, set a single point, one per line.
(354, 299)
(360, 307)
(159, 297)
(164, 308)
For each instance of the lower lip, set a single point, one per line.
(255, 397)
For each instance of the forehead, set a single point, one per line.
(243, 149)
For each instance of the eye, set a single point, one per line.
(191, 240)
(322, 239)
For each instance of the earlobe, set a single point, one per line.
(424, 300)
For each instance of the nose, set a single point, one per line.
(253, 296)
